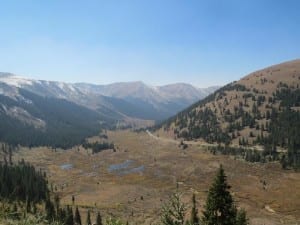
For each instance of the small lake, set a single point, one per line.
(125, 168)
(66, 166)
(121, 166)
(139, 169)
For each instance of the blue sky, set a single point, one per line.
(204, 43)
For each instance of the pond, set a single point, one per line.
(125, 168)
(66, 166)
(121, 166)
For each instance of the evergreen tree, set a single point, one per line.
(50, 211)
(57, 202)
(194, 214)
(61, 215)
(241, 218)
(69, 216)
(173, 212)
(88, 218)
(98, 219)
(77, 217)
(219, 208)
(23, 183)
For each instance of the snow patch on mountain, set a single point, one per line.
(14, 80)
(24, 117)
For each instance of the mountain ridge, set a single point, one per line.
(157, 99)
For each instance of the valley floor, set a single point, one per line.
(133, 181)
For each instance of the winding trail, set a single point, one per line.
(168, 140)
(203, 144)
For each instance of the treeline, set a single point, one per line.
(284, 128)
(7, 153)
(285, 132)
(98, 146)
(22, 182)
(247, 154)
(68, 215)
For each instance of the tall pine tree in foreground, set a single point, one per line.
(220, 208)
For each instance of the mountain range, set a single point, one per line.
(39, 112)
(117, 100)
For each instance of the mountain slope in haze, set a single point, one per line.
(119, 100)
(36, 112)
(66, 91)
(33, 120)
(262, 108)
(150, 102)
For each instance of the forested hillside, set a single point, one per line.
(32, 120)
(262, 108)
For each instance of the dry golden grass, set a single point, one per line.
(165, 164)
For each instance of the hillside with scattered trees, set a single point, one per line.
(262, 110)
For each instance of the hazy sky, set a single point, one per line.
(204, 43)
